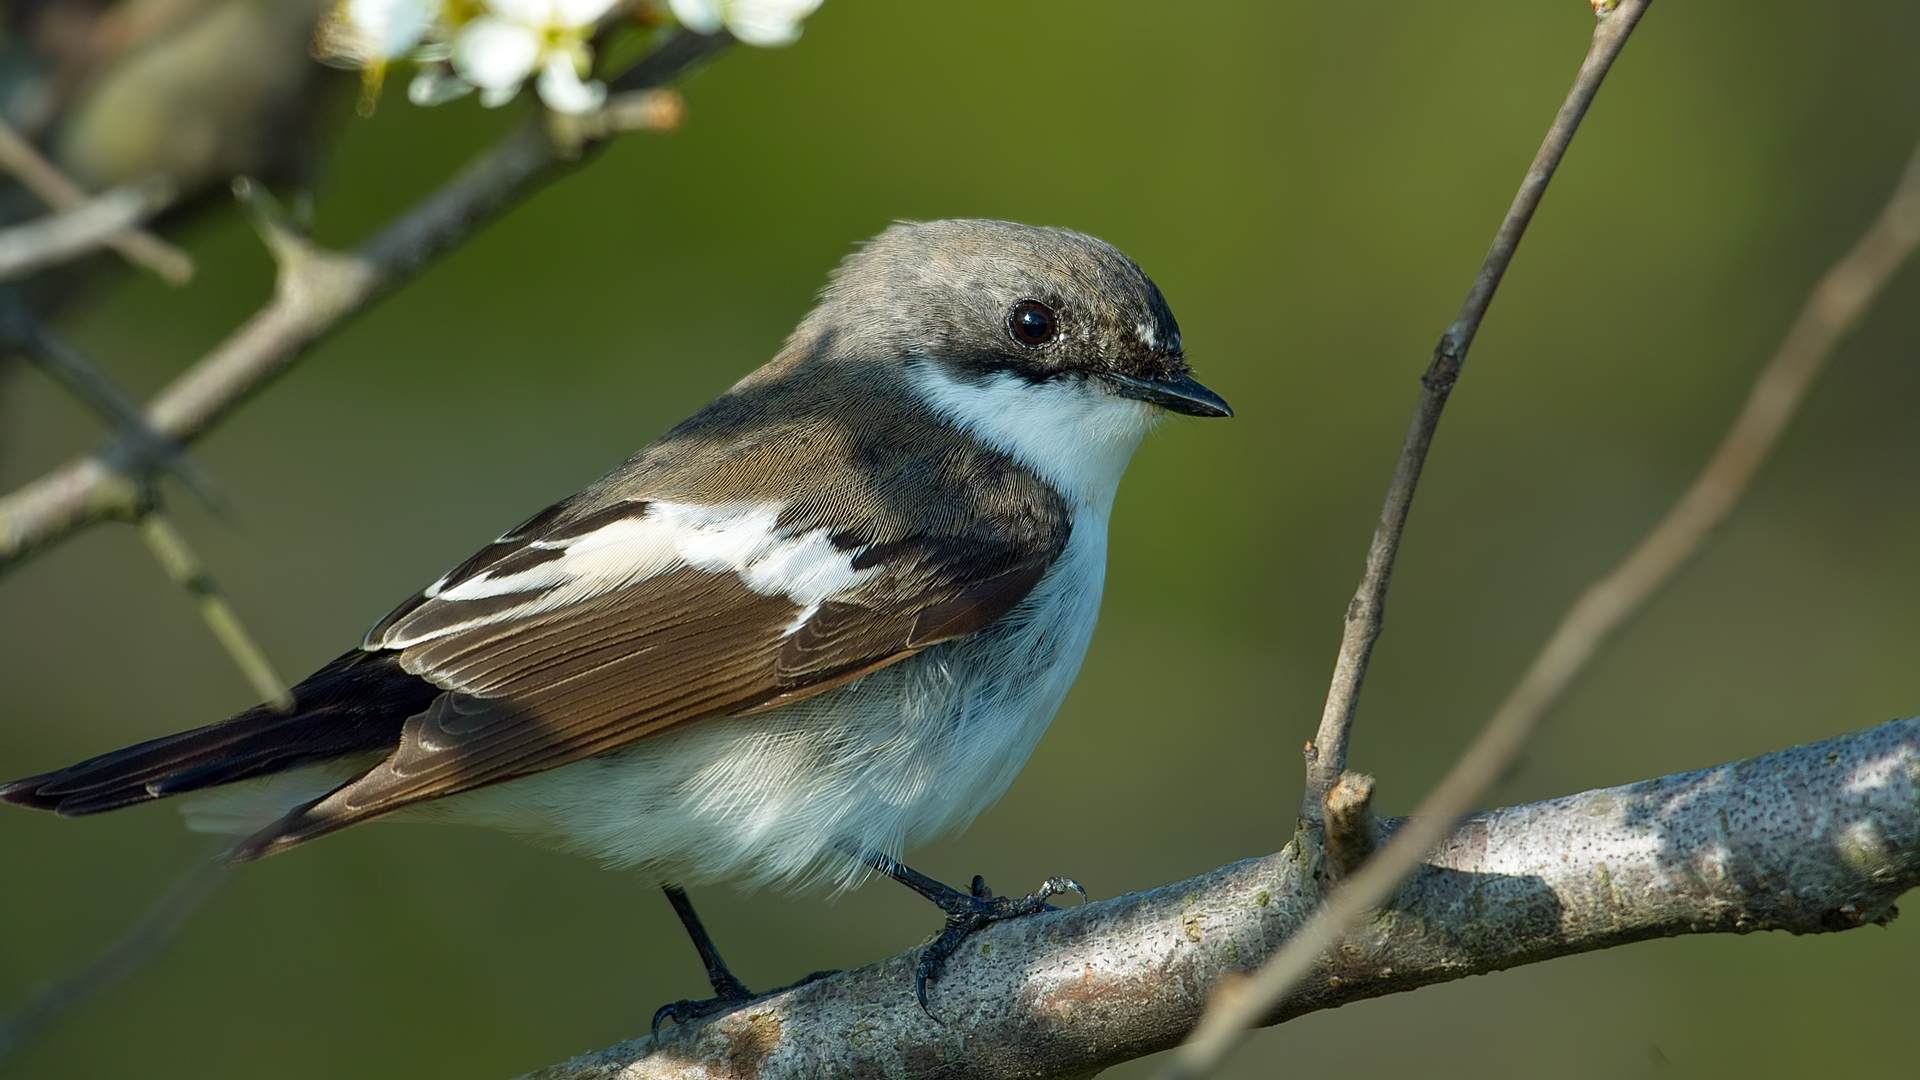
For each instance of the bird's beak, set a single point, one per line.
(1181, 395)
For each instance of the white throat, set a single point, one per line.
(1072, 432)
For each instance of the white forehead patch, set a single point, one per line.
(1145, 330)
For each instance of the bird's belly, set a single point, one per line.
(784, 797)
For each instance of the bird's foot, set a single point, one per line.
(976, 910)
(728, 994)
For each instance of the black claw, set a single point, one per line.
(729, 993)
(1058, 886)
(968, 913)
(687, 1011)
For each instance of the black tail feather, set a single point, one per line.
(352, 707)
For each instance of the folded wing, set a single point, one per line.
(580, 633)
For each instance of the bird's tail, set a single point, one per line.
(352, 708)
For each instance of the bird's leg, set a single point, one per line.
(728, 991)
(724, 983)
(966, 912)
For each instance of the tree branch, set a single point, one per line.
(1820, 837)
(315, 292)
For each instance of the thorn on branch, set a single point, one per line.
(283, 234)
(316, 284)
(1352, 828)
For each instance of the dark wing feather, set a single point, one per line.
(352, 707)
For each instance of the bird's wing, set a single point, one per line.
(583, 631)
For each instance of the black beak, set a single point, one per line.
(1181, 395)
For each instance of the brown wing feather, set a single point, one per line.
(547, 690)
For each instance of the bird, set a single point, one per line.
(823, 621)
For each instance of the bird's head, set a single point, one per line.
(985, 301)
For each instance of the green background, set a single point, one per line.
(1313, 186)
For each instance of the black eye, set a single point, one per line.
(1032, 323)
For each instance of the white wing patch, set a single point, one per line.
(744, 539)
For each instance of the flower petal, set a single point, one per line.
(580, 13)
(496, 55)
(768, 22)
(699, 16)
(534, 13)
(560, 87)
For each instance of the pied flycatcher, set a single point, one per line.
(819, 623)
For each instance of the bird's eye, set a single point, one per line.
(1032, 323)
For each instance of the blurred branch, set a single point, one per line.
(185, 569)
(145, 938)
(22, 330)
(44, 179)
(660, 110)
(1817, 838)
(1327, 755)
(67, 234)
(315, 292)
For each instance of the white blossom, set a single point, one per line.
(517, 39)
(756, 22)
(497, 46)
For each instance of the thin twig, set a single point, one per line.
(1365, 615)
(83, 376)
(1225, 1024)
(186, 570)
(66, 234)
(44, 179)
(168, 916)
(316, 292)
